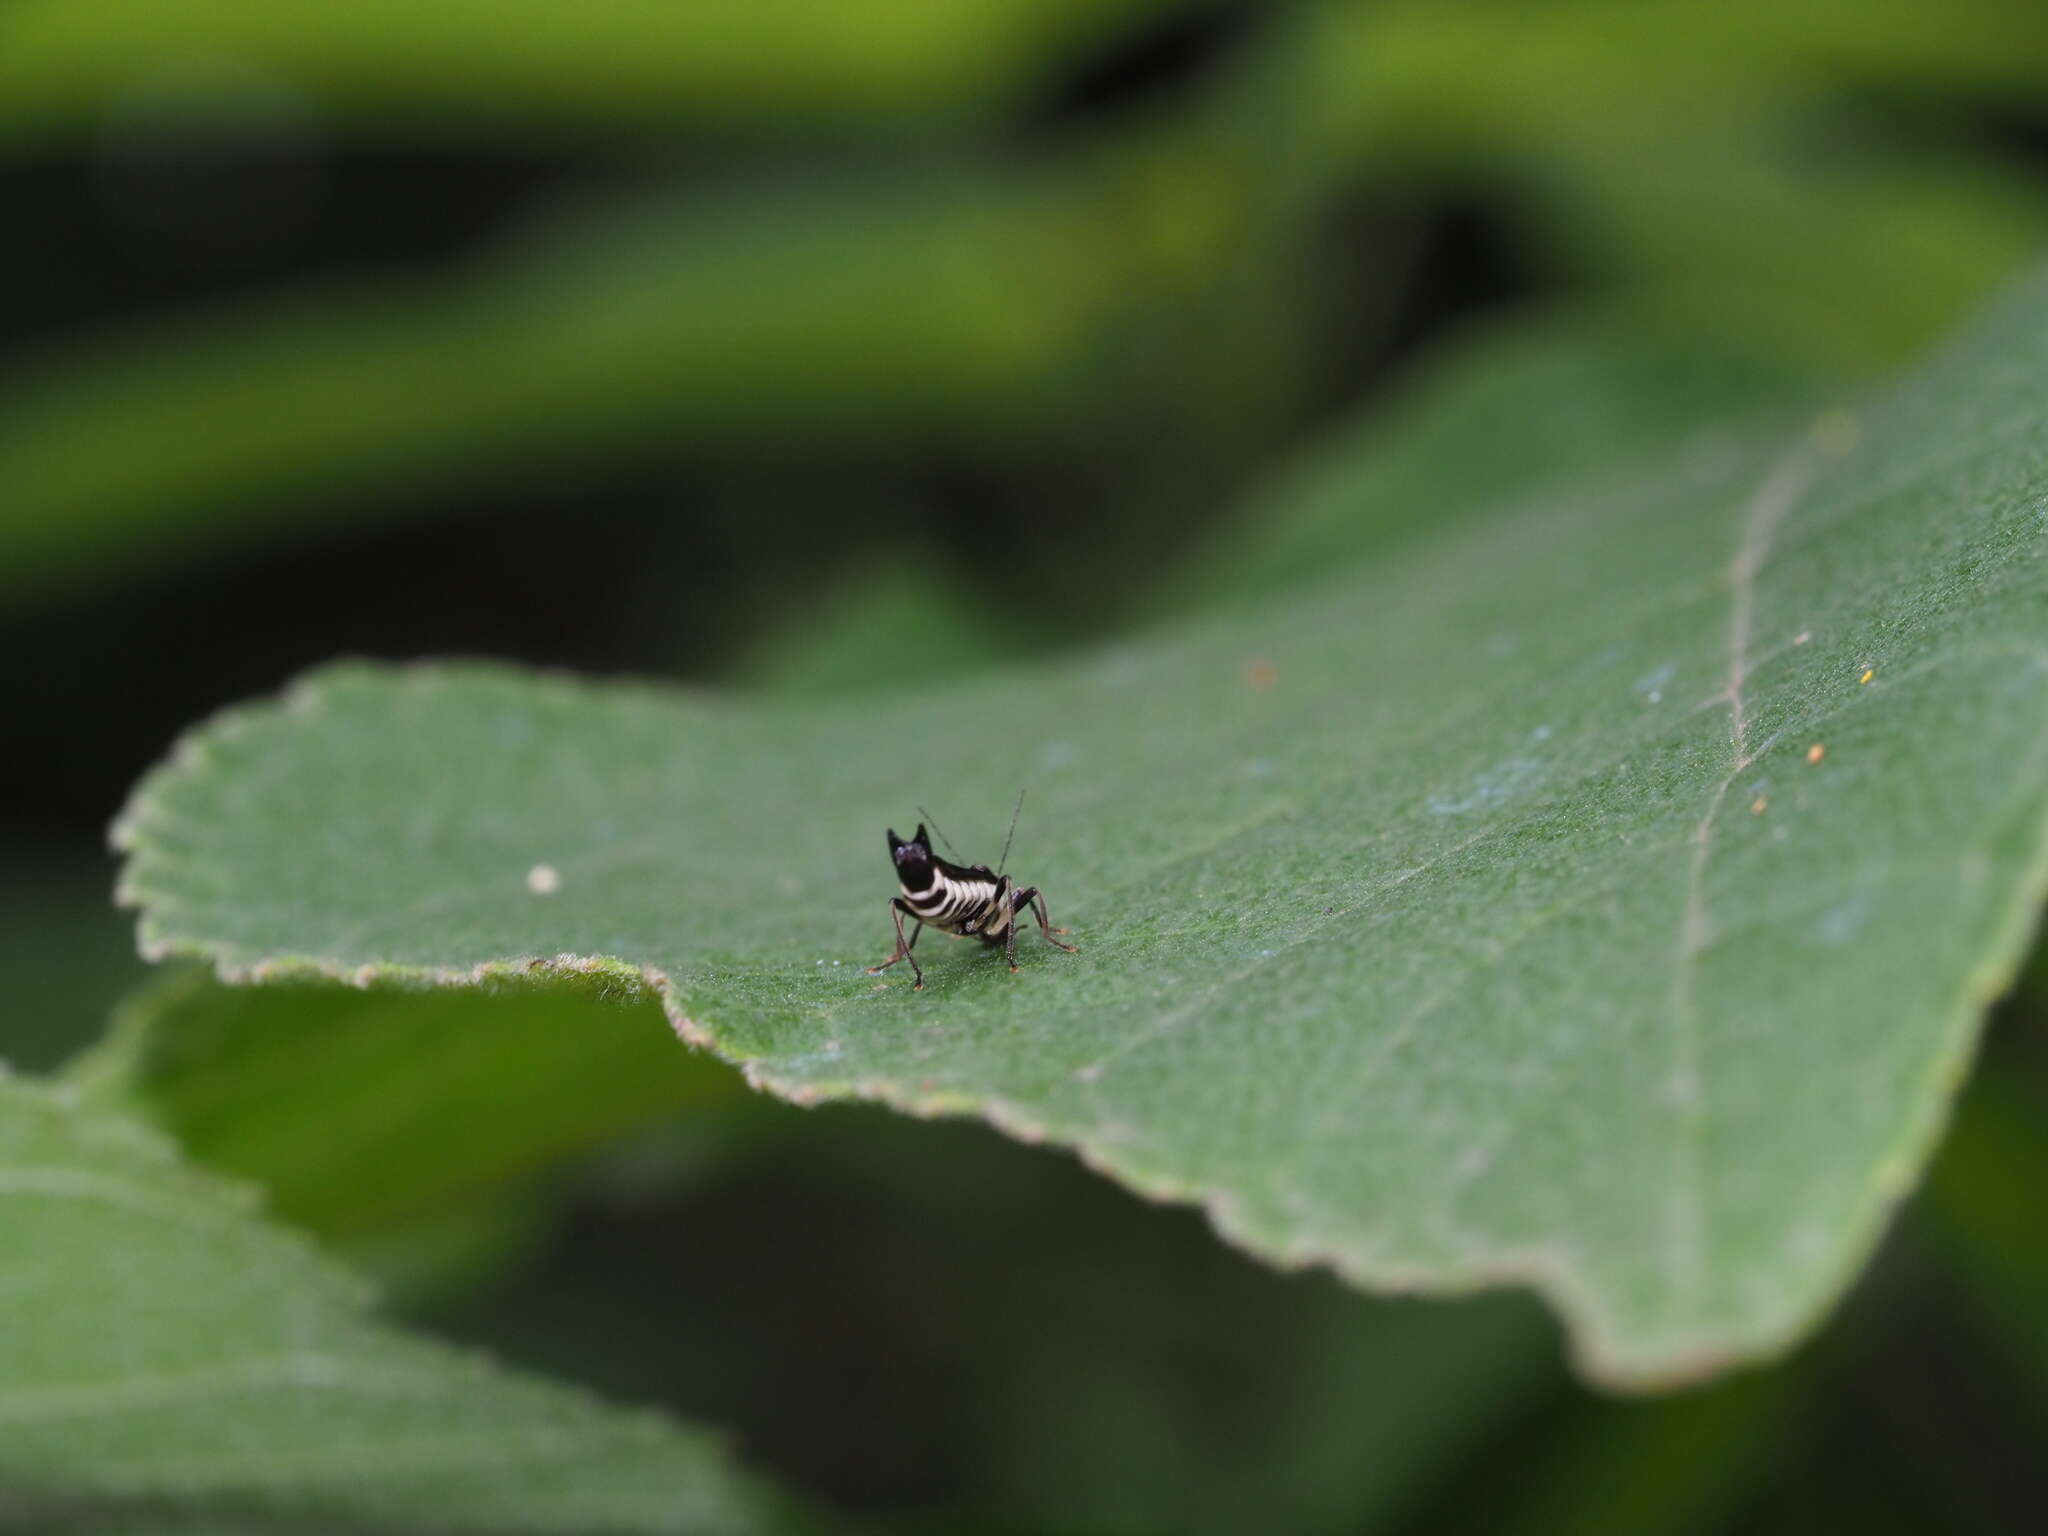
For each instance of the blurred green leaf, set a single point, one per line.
(1983, 1210)
(1693, 1463)
(421, 1096)
(1703, 165)
(1718, 163)
(1074, 1360)
(1816, 241)
(1481, 916)
(726, 324)
(885, 626)
(67, 954)
(173, 1359)
(456, 1249)
(1435, 77)
(1502, 412)
(609, 63)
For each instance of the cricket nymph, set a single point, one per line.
(967, 901)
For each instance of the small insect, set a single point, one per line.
(966, 901)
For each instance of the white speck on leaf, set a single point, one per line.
(1839, 923)
(543, 879)
(1514, 777)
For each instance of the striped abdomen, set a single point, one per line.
(962, 902)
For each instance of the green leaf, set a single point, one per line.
(172, 1358)
(419, 1098)
(722, 323)
(615, 63)
(1501, 411)
(1480, 915)
(66, 954)
(1983, 1217)
(1798, 218)
(857, 638)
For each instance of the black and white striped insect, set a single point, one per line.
(966, 901)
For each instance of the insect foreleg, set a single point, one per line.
(903, 945)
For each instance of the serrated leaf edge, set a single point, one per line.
(1550, 1270)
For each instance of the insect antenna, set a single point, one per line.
(951, 852)
(1012, 832)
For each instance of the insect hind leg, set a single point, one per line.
(903, 946)
(1005, 904)
(1032, 897)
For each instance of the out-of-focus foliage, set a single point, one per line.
(1503, 415)
(65, 955)
(770, 65)
(1495, 969)
(1165, 277)
(835, 350)
(168, 1354)
(421, 1099)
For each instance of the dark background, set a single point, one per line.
(696, 357)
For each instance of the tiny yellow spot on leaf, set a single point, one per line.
(1868, 674)
(1816, 752)
(1756, 806)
